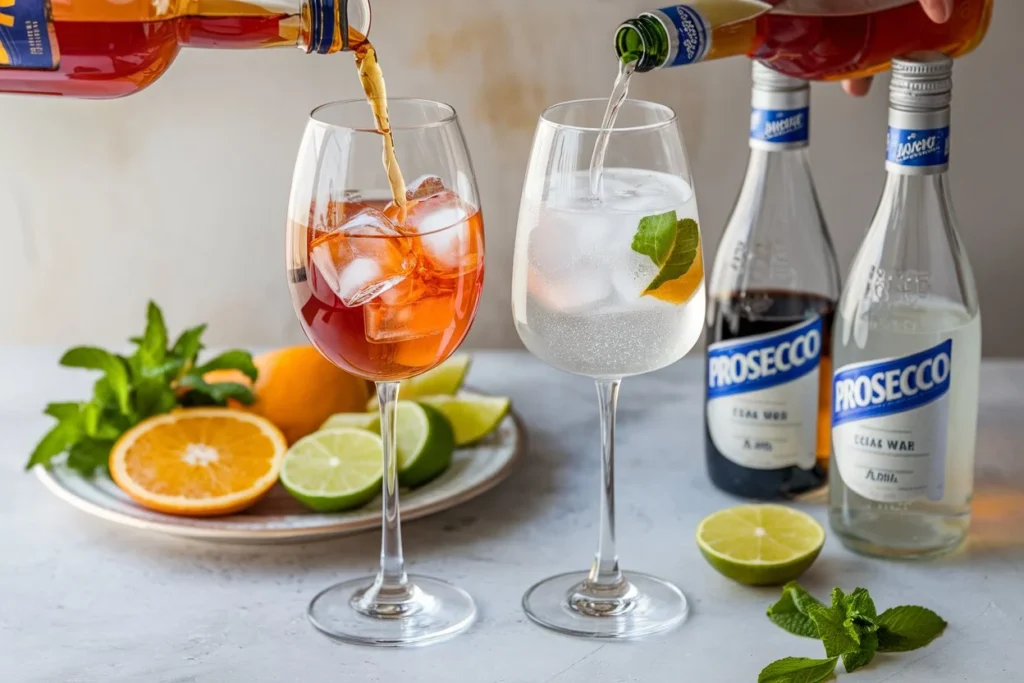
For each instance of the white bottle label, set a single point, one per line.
(762, 408)
(889, 425)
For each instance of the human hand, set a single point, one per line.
(938, 11)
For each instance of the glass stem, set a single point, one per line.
(604, 573)
(392, 562)
(391, 594)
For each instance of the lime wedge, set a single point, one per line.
(425, 441)
(367, 421)
(472, 416)
(446, 378)
(334, 469)
(760, 545)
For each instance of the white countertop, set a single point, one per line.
(84, 600)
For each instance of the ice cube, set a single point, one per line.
(363, 258)
(418, 318)
(577, 294)
(423, 187)
(442, 222)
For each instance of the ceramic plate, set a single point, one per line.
(278, 518)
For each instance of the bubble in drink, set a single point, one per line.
(363, 258)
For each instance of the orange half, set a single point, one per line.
(198, 461)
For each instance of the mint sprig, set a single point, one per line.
(850, 629)
(671, 244)
(153, 380)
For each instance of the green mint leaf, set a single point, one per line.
(89, 454)
(670, 244)
(63, 411)
(153, 348)
(230, 360)
(92, 358)
(188, 345)
(857, 606)
(655, 235)
(862, 657)
(832, 630)
(202, 393)
(59, 439)
(798, 670)
(908, 627)
(153, 396)
(790, 612)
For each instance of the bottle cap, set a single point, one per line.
(766, 78)
(921, 81)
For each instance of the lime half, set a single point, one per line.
(367, 421)
(472, 416)
(334, 469)
(425, 441)
(760, 545)
(445, 379)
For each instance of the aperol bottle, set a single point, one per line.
(112, 48)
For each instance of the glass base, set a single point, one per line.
(643, 606)
(428, 611)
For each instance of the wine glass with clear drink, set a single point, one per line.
(386, 290)
(608, 282)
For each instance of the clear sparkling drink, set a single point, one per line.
(582, 307)
(907, 345)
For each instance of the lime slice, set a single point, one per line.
(367, 421)
(425, 441)
(760, 545)
(472, 416)
(445, 379)
(334, 469)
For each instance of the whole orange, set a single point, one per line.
(297, 389)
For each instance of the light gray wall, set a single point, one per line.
(179, 193)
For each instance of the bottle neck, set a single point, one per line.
(780, 119)
(918, 142)
(692, 32)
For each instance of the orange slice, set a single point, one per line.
(680, 290)
(198, 461)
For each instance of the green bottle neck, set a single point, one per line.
(643, 40)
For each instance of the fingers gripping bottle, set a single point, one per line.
(773, 292)
(907, 344)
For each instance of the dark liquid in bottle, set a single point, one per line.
(760, 312)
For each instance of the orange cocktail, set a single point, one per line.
(389, 297)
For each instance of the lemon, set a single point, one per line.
(760, 545)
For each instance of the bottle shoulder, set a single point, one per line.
(776, 235)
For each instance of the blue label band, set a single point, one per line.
(918, 148)
(780, 126)
(26, 39)
(891, 386)
(743, 365)
(693, 33)
(322, 38)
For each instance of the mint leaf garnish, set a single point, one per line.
(670, 244)
(798, 670)
(153, 380)
(834, 634)
(851, 629)
(790, 612)
(901, 629)
(862, 657)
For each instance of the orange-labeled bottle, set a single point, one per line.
(112, 48)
